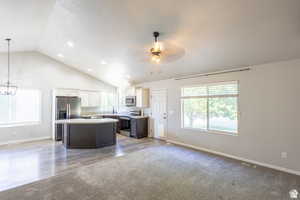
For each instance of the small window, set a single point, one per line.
(211, 107)
(21, 109)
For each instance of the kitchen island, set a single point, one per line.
(129, 125)
(88, 133)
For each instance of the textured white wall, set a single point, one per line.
(269, 122)
(34, 70)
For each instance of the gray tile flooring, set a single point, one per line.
(28, 162)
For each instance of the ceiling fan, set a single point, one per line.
(166, 51)
(162, 51)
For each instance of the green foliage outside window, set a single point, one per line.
(222, 107)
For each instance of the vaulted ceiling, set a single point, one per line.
(107, 38)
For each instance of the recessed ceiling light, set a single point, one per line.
(60, 55)
(70, 44)
(103, 62)
(89, 69)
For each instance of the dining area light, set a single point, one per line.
(8, 88)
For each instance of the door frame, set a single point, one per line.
(152, 123)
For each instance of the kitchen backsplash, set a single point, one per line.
(90, 110)
(97, 110)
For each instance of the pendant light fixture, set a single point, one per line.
(156, 49)
(7, 88)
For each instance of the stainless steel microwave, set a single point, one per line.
(130, 101)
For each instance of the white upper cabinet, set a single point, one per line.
(84, 98)
(94, 99)
(67, 92)
(142, 97)
(89, 99)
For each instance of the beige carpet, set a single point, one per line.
(159, 173)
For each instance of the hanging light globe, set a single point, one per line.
(8, 88)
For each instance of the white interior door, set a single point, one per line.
(159, 113)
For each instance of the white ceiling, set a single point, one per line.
(214, 34)
(24, 22)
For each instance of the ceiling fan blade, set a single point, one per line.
(170, 53)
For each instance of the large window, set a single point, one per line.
(23, 108)
(211, 107)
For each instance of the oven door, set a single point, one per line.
(125, 126)
(125, 123)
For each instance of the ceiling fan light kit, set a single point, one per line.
(156, 49)
(8, 88)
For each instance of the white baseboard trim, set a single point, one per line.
(160, 138)
(236, 158)
(26, 140)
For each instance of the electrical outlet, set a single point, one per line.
(294, 194)
(284, 155)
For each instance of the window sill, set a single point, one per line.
(211, 131)
(19, 124)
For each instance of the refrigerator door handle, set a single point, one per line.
(68, 111)
(67, 116)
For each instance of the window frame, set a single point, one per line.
(207, 130)
(25, 123)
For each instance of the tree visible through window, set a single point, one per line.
(211, 107)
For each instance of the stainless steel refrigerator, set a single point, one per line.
(66, 108)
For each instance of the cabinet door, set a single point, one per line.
(139, 128)
(89, 99)
(94, 99)
(145, 97)
(139, 96)
(142, 97)
(84, 99)
(133, 128)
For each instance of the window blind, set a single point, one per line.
(224, 88)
